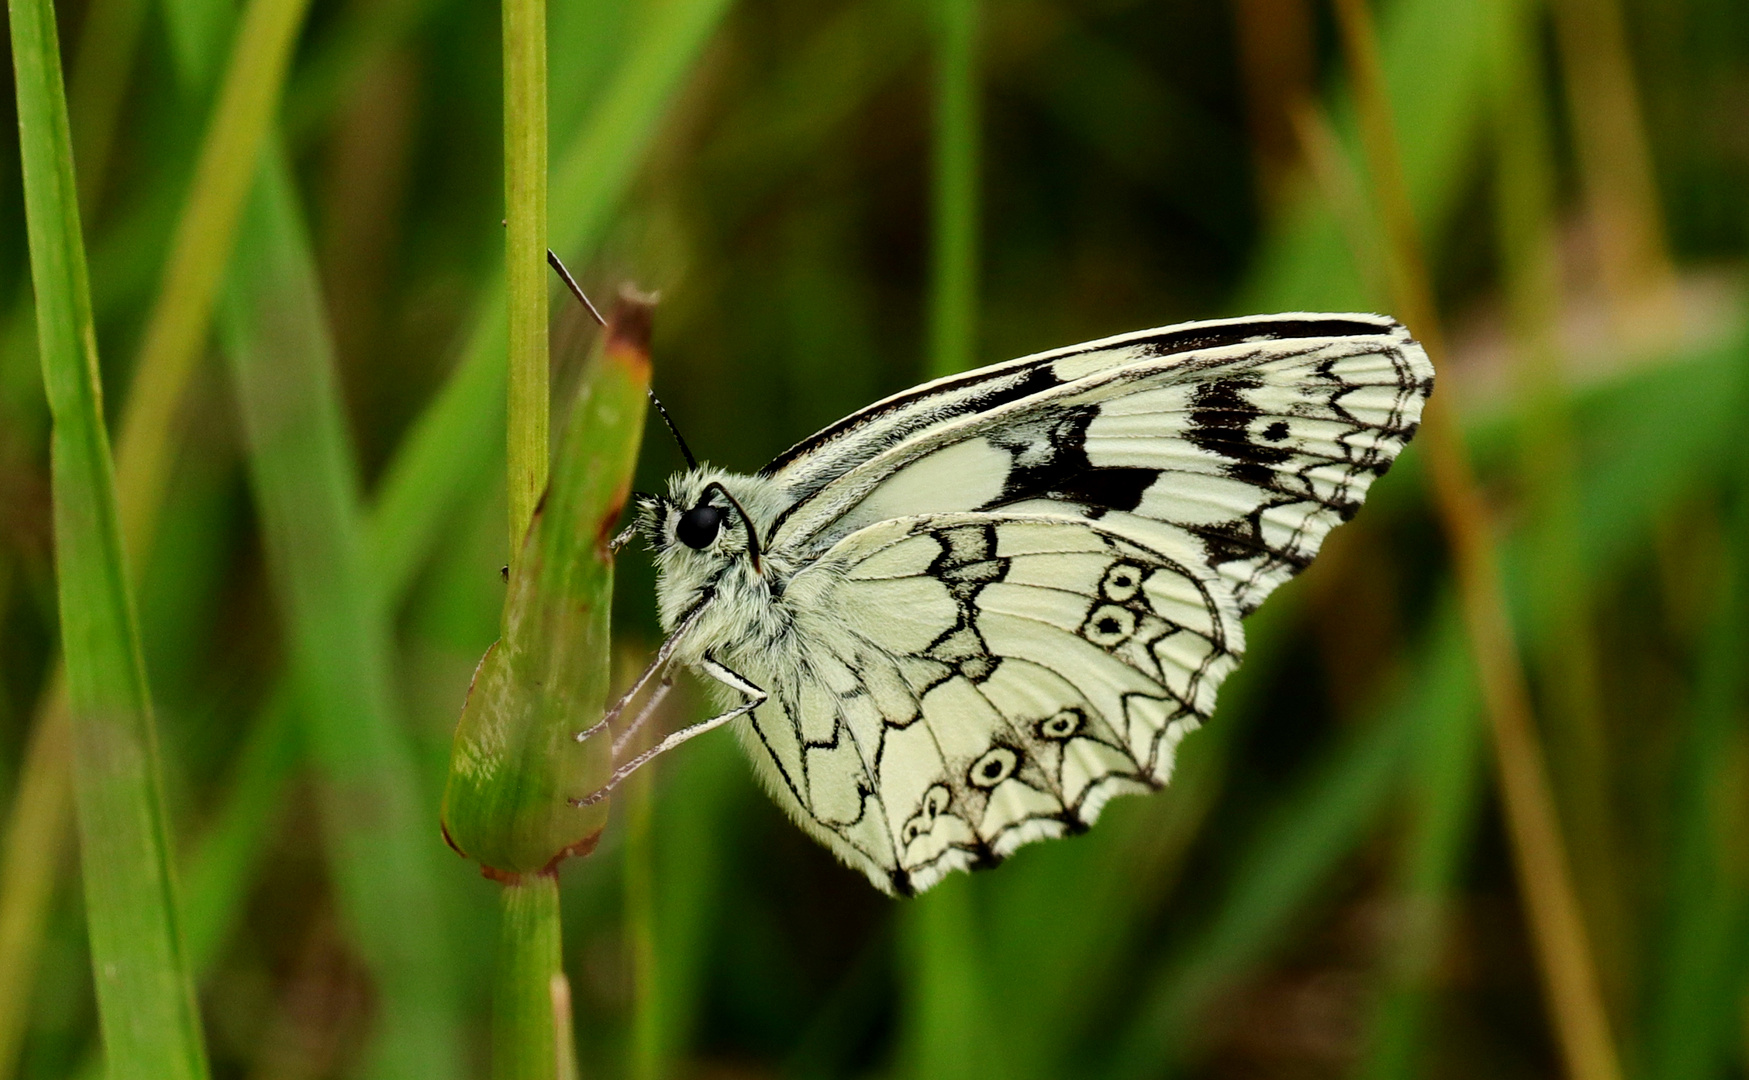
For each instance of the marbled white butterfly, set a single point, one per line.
(963, 618)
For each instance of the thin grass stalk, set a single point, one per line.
(1558, 930)
(150, 1024)
(531, 1018)
(1565, 651)
(525, 250)
(953, 310)
(1615, 165)
(526, 1036)
(304, 479)
(950, 1006)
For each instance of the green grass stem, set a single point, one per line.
(146, 1000)
(531, 1002)
(638, 803)
(953, 290)
(949, 1012)
(382, 847)
(525, 258)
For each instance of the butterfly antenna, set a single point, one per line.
(558, 264)
(691, 462)
(746, 522)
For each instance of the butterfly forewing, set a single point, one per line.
(1241, 453)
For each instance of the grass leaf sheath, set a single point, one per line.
(146, 1001)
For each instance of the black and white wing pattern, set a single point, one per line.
(991, 603)
(974, 682)
(1237, 444)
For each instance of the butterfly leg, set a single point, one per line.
(663, 655)
(755, 698)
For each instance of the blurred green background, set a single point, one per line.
(1325, 890)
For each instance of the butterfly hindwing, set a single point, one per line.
(1000, 677)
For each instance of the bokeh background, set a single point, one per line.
(1326, 890)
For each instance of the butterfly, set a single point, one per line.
(965, 617)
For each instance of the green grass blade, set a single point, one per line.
(382, 846)
(150, 1025)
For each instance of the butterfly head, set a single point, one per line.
(707, 520)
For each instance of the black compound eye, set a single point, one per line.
(698, 526)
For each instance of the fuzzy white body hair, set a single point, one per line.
(741, 611)
(750, 623)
